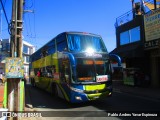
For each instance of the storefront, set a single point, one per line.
(152, 44)
(138, 44)
(130, 40)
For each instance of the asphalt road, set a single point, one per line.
(120, 103)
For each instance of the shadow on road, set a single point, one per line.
(39, 98)
(44, 101)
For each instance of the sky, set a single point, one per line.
(51, 17)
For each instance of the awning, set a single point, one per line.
(129, 51)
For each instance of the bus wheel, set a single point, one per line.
(54, 90)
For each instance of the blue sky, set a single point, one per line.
(52, 17)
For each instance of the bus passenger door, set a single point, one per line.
(65, 72)
(65, 75)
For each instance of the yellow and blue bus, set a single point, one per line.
(74, 66)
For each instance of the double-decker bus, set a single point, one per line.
(74, 66)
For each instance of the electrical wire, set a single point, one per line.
(25, 24)
(30, 21)
(34, 20)
(6, 17)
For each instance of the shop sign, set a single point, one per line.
(151, 44)
(152, 26)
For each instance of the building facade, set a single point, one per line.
(27, 48)
(138, 44)
(152, 43)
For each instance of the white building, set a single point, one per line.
(27, 48)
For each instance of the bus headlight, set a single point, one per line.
(78, 98)
(110, 93)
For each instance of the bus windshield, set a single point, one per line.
(88, 69)
(84, 43)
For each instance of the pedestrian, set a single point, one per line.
(39, 73)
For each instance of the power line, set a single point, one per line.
(4, 3)
(30, 21)
(34, 19)
(5, 17)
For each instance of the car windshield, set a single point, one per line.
(85, 43)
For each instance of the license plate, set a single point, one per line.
(102, 78)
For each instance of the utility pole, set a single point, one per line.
(16, 28)
(155, 4)
(13, 82)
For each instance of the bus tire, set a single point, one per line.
(54, 90)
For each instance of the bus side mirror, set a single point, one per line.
(117, 58)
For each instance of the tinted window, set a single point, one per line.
(82, 42)
(135, 34)
(51, 47)
(25, 49)
(61, 43)
(124, 38)
(130, 36)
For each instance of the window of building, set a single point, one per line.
(130, 36)
(3, 47)
(30, 51)
(7, 46)
(124, 38)
(26, 70)
(26, 59)
(25, 49)
(135, 34)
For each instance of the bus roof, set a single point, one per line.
(69, 32)
(84, 33)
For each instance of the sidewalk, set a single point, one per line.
(148, 92)
(28, 103)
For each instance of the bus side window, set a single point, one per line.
(49, 71)
(61, 43)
